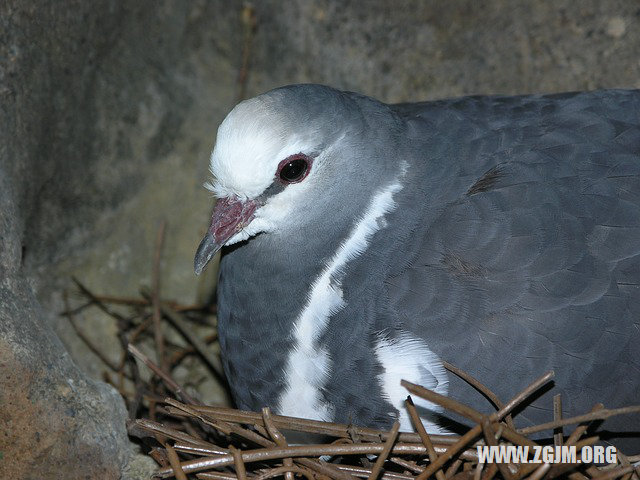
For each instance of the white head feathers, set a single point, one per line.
(251, 141)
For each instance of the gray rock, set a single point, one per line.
(57, 423)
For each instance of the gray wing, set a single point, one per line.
(534, 264)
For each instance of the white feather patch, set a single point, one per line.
(308, 365)
(250, 143)
(409, 358)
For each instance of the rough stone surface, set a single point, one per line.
(52, 416)
(108, 110)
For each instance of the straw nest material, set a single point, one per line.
(191, 440)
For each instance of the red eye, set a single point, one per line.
(294, 169)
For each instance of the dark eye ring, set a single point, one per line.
(294, 169)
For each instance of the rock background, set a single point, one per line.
(108, 111)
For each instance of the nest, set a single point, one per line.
(191, 440)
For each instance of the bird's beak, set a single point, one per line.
(230, 215)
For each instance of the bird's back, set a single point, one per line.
(527, 254)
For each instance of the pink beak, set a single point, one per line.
(230, 215)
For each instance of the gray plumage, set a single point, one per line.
(513, 249)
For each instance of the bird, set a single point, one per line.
(365, 243)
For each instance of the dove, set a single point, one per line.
(364, 243)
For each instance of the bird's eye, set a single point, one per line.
(294, 169)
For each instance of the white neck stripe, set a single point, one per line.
(307, 366)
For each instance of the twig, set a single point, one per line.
(558, 436)
(276, 472)
(71, 317)
(327, 469)
(249, 25)
(311, 426)
(123, 325)
(624, 461)
(116, 300)
(580, 429)
(408, 465)
(177, 356)
(587, 417)
(165, 377)
(523, 395)
(377, 467)
(475, 431)
(241, 471)
(158, 428)
(142, 302)
(573, 440)
(225, 427)
(482, 388)
(96, 301)
(258, 440)
(490, 472)
(198, 450)
(477, 474)
(174, 461)
(216, 476)
(178, 321)
(298, 451)
(451, 471)
(446, 402)
(540, 472)
(618, 472)
(424, 436)
(278, 438)
(155, 298)
(490, 439)
(366, 472)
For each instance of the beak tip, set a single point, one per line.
(206, 250)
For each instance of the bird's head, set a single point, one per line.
(277, 154)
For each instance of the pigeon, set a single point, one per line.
(364, 243)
